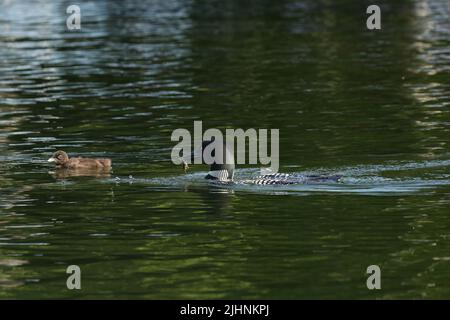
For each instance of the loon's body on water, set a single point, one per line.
(223, 172)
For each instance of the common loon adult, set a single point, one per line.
(223, 172)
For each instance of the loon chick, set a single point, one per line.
(224, 171)
(62, 161)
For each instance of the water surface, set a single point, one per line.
(373, 106)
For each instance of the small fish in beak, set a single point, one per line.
(185, 166)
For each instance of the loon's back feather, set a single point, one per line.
(275, 178)
(286, 179)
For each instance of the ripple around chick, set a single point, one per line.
(62, 173)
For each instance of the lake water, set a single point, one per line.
(370, 105)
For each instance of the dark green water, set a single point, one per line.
(373, 106)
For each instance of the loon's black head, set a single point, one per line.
(222, 166)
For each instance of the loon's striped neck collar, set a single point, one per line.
(222, 169)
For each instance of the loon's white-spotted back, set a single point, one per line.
(286, 178)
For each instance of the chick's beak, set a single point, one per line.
(52, 159)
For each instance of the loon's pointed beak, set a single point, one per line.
(191, 158)
(51, 159)
(196, 154)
